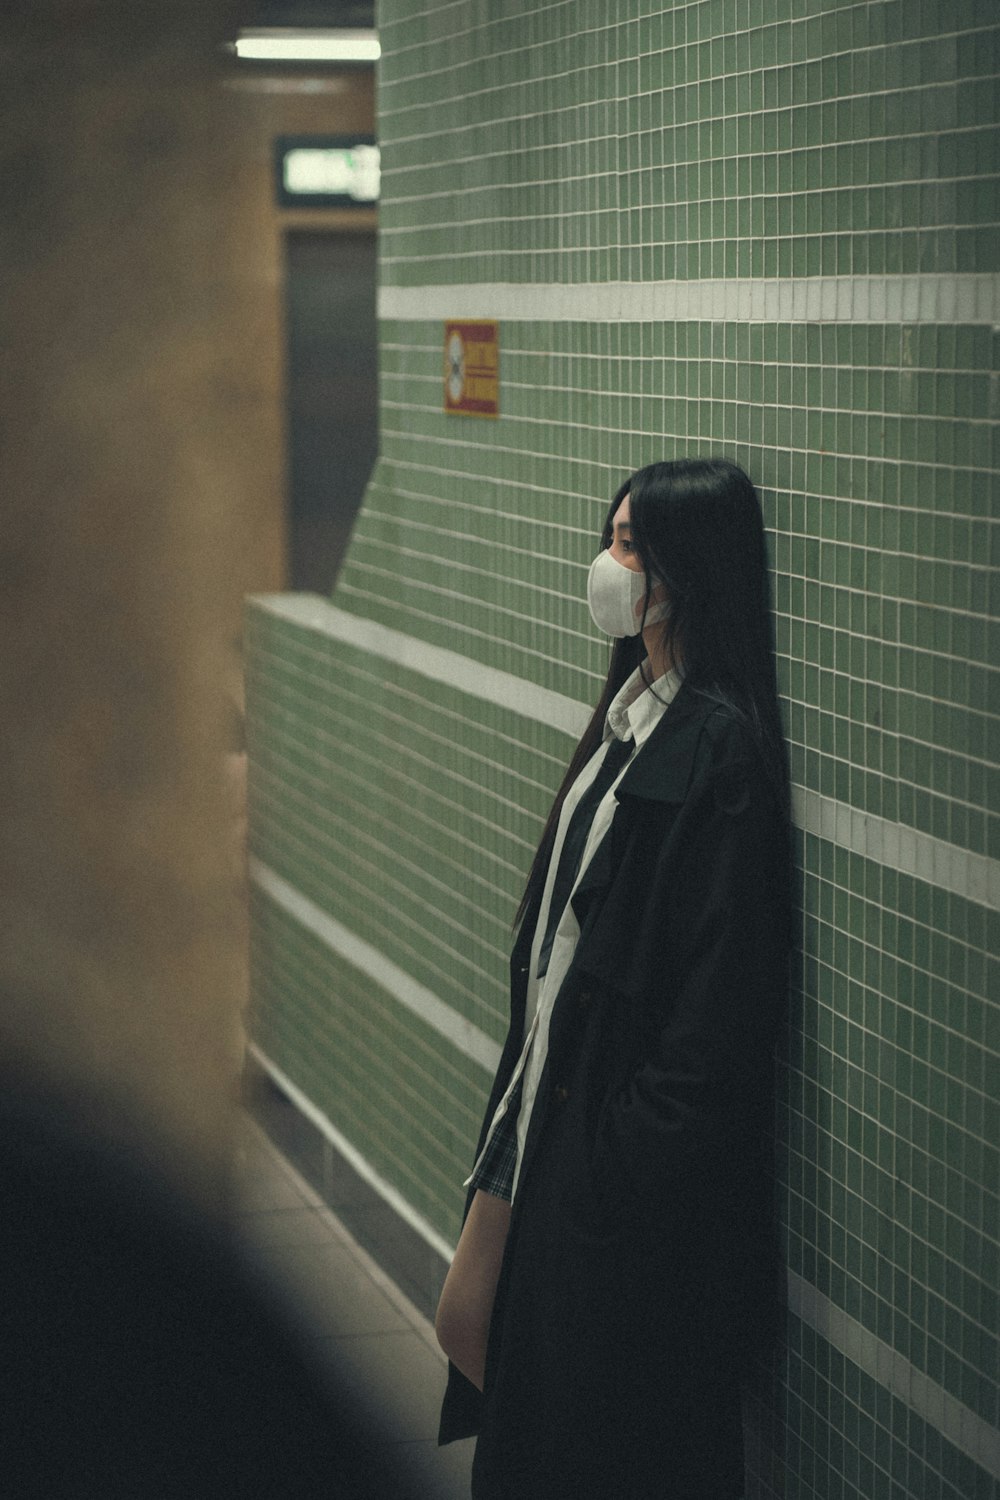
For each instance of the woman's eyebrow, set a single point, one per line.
(622, 526)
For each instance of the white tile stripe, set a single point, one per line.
(923, 297)
(974, 877)
(461, 1033)
(353, 1156)
(436, 662)
(957, 1423)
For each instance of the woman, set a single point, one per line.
(616, 1261)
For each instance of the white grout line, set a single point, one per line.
(957, 1423)
(921, 297)
(974, 877)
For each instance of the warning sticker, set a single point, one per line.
(472, 369)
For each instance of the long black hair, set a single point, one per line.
(697, 527)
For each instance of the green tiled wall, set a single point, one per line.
(412, 820)
(635, 141)
(880, 508)
(409, 1098)
(559, 147)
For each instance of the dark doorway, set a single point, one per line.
(332, 382)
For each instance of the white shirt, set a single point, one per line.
(634, 713)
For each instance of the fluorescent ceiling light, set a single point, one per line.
(302, 45)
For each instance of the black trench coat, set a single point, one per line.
(639, 1272)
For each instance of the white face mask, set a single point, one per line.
(615, 595)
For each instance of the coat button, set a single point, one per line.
(561, 1093)
(585, 997)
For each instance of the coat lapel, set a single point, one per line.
(660, 773)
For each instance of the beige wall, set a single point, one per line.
(142, 480)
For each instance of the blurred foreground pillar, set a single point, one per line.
(119, 960)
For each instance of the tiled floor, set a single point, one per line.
(361, 1321)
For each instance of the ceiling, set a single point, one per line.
(354, 13)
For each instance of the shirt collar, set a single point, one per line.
(637, 708)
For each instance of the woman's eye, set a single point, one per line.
(626, 545)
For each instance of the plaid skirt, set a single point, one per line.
(494, 1173)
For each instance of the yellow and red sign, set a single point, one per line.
(472, 369)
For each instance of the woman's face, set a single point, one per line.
(621, 548)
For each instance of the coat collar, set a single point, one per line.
(662, 773)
